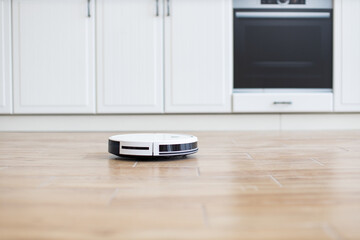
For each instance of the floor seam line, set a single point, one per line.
(331, 232)
(205, 215)
(276, 181)
(113, 195)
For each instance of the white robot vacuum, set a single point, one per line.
(153, 145)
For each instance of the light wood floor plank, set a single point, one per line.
(240, 185)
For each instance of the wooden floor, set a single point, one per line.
(240, 185)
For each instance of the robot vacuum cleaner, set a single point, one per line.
(153, 145)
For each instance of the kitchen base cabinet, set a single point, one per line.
(54, 56)
(5, 57)
(130, 56)
(347, 55)
(198, 56)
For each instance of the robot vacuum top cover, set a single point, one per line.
(153, 144)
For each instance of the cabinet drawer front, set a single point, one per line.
(283, 102)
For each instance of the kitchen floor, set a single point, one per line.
(240, 185)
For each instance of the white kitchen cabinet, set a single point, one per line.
(347, 55)
(54, 63)
(130, 56)
(5, 57)
(198, 56)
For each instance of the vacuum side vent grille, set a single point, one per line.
(177, 147)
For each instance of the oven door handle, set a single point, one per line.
(282, 15)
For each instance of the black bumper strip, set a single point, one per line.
(114, 147)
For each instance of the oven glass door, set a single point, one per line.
(275, 51)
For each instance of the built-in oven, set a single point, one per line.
(283, 44)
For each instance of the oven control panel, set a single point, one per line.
(283, 2)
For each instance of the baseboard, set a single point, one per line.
(183, 122)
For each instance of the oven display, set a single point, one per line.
(283, 2)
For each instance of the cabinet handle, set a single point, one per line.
(168, 8)
(282, 103)
(88, 8)
(157, 8)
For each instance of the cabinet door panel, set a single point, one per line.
(198, 56)
(54, 70)
(129, 44)
(347, 55)
(5, 56)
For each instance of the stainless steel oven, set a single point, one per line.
(283, 44)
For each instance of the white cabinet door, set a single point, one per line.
(54, 70)
(198, 49)
(347, 55)
(5, 56)
(129, 51)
